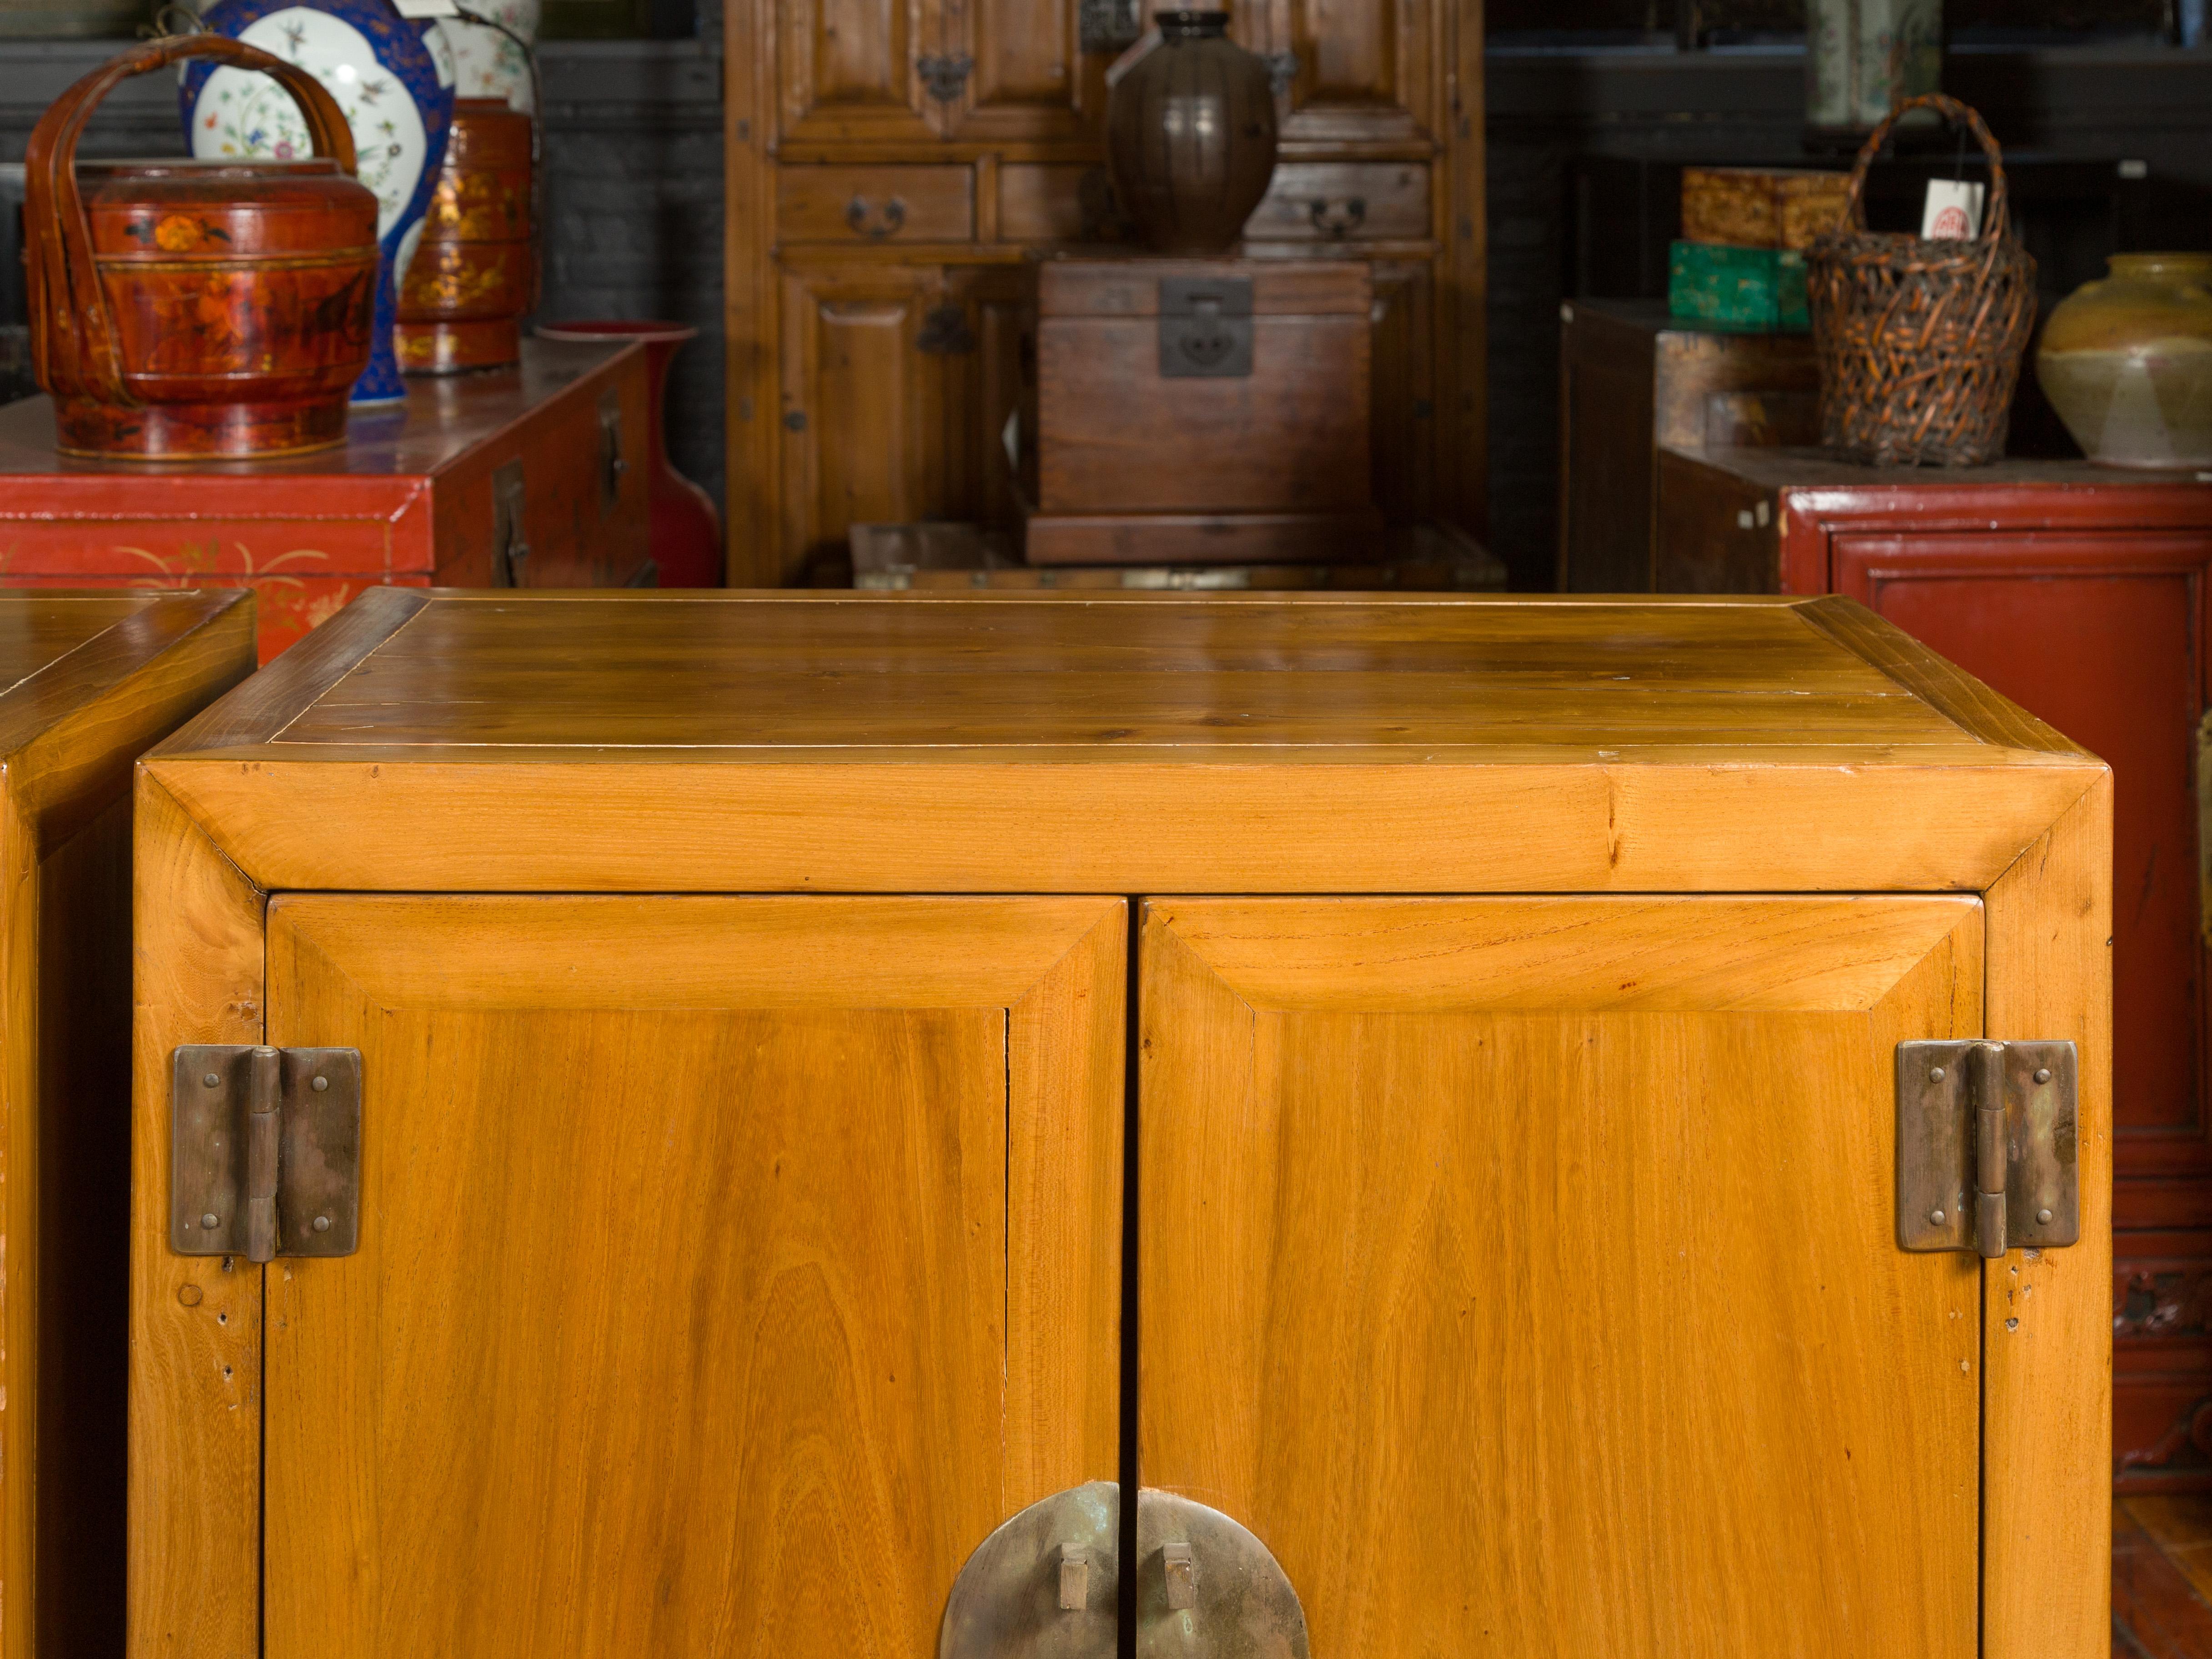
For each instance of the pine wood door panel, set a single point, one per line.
(1365, 68)
(850, 70)
(865, 429)
(1030, 81)
(729, 1268)
(1523, 1270)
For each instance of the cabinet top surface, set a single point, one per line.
(424, 741)
(62, 651)
(1203, 681)
(1814, 469)
(443, 418)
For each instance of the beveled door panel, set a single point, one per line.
(850, 70)
(1365, 68)
(1028, 80)
(1522, 1272)
(729, 1268)
(864, 429)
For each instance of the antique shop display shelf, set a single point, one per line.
(694, 1133)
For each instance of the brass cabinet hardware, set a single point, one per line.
(1986, 1145)
(264, 1151)
(944, 77)
(888, 224)
(1045, 1585)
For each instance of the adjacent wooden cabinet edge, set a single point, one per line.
(91, 680)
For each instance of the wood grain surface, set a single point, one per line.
(2047, 1315)
(730, 1268)
(1523, 1271)
(1293, 743)
(87, 682)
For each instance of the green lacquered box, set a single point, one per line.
(1754, 289)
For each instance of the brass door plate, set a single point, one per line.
(1045, 1585)
(1009, 1601)
(1208, 1589)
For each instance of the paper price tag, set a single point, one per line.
(428, 8)
(1953, 212)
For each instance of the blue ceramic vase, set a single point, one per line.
(393, 77)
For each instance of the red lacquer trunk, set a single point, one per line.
(187, 309)
(475, 274)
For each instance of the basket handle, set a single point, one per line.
(1993, 223)
(76, 348)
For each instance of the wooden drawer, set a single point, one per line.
(1344, 202)
(1308, 202)
(875, 204)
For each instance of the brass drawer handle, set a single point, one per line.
(1337, 227)
(892, 221)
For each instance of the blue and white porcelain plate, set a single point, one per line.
(395, 80)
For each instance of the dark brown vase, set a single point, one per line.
(1190, 133)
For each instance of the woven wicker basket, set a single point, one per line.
(1920, 341)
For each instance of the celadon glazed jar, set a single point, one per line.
(2127, 361)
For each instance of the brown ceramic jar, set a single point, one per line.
(1190, 134)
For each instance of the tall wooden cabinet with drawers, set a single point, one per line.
(893, 163)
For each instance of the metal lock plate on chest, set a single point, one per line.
(1206, 327)
(1045, 1585)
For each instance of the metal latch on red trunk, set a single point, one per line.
(1987, 1144)
(264, 1151)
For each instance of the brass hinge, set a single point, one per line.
(1986, 1145)
(264, 1151)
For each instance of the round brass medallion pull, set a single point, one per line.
(1045, 1585)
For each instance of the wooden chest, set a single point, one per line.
(1634, 381)
(91, 680)
(534, 476)
(1203, 412)
(1761, 207)
(2083, 592)
(1505, 1028)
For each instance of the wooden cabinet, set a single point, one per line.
(2081, 592)
(533, 476)
(1504, 1027)
(88, 681)
(1635, 382)
(901, 382)
(875, 140)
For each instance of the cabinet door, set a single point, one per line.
(1028, 79)
(849, 70)
(865, 433)
(729, 1268)
(1523, 1271)
(1365, 68)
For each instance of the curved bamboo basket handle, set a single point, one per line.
(75, 348)
(1997, 220)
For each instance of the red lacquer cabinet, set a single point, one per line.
(2080, 592)
(528, 477)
